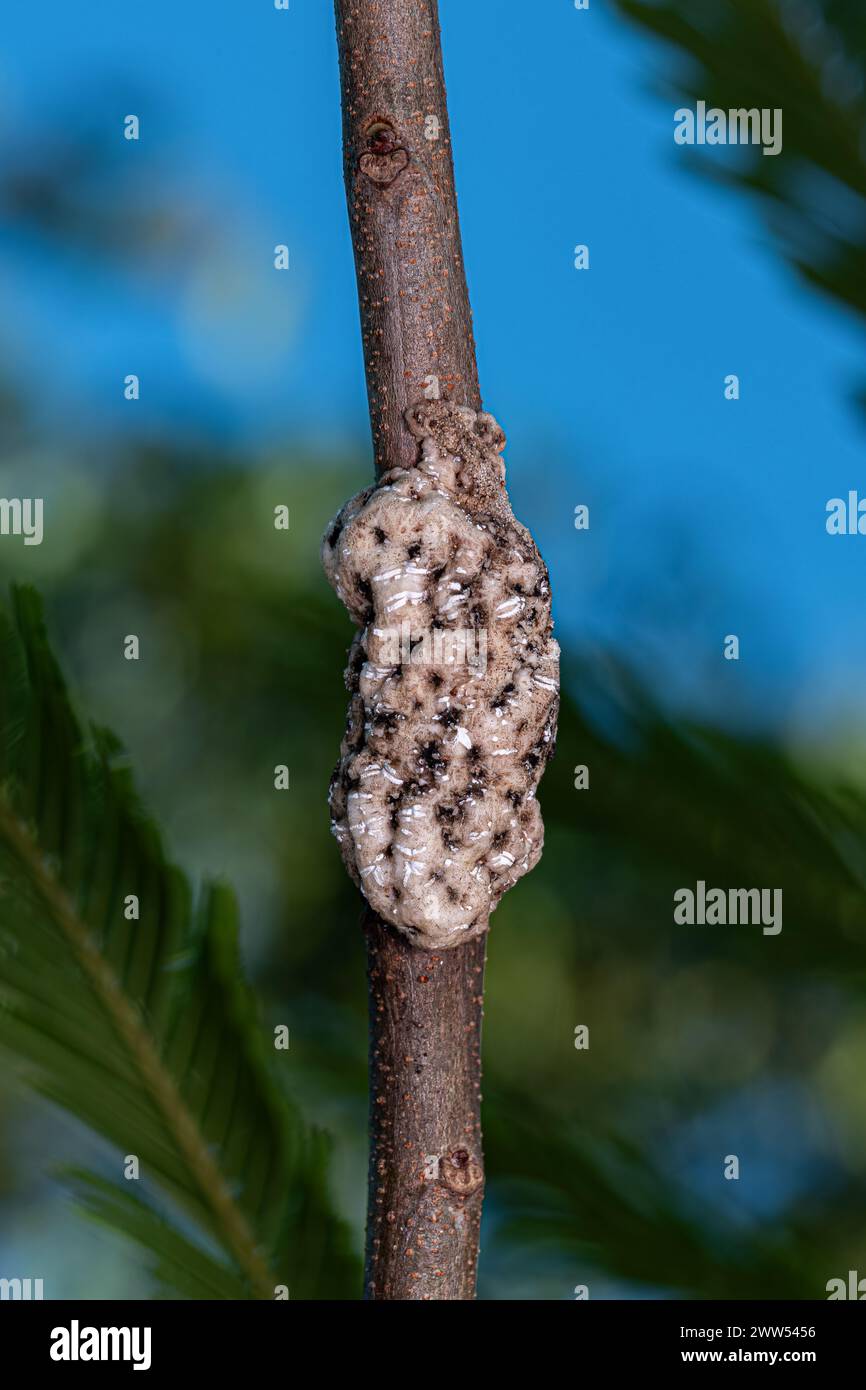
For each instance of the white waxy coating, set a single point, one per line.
(454, 678)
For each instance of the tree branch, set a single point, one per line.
(426, 1175)
(415, 316)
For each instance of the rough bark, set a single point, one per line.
(426, 1175)
(426, 1171)
(415, 317)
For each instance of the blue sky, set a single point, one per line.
(707, 517)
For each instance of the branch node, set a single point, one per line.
(384, 158)
(461, 1173)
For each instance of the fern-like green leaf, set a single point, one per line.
(144, 1028)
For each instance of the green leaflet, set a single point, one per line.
(180, 1267)
(145, 1029)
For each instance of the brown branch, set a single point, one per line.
(426, 1176)
(415, 317)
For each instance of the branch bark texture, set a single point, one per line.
(415, 316)
(426, 1172)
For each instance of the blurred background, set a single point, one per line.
(156, 257)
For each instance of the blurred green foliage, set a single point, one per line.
(808, 58)
(703, 1041)
(123, 999)
(605, 1165)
